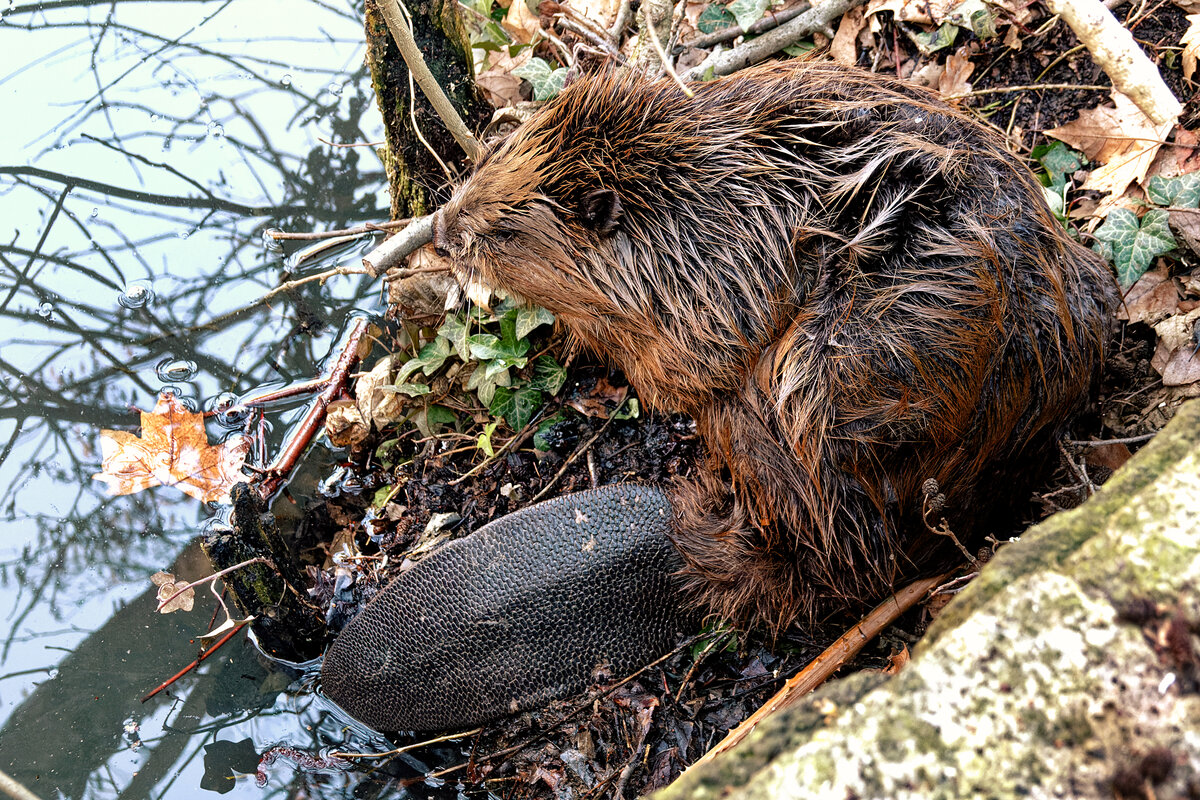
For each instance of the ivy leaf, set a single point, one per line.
(454, 331)
(548, 375)
(1182, 191)
(547, 82)
(1057, 162)
(517, 405)
(929, 43)
(748, 12)
(1131, 245)
(409, 389)
(714, 19)
(484, 385)
(428, 360)
(530, 318)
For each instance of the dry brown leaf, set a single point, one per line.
(601, 12)
(1152, 299)
(601, 401)
(954, 80)
(167, 586)
(1111, 456)
(1191, 45)
(173, 450)
(844, 48)
(521, 23)
(1122, 139)
(498, 81)
(1176, 357)
(345, 425)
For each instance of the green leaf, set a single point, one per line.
(530, 318)
(548, 375)
(409, 389)
(929, 43)
(517, 405)
(628, 410)
(428, 360)
(484, 385)
(484, 442)
(748, 12)
(1182, 191)
(714, 19)
(1132, 245)
(1057, 162)
(546, 81)
(975, 16)
(454, 331)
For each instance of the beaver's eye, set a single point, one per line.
(502, 235)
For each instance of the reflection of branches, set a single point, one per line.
(209, 201)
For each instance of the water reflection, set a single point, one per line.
(146, 148)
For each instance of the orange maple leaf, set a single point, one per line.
(173, 450)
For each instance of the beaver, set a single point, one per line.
(853, 289)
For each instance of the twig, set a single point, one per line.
(1116, 52)
(320, 276)
(729, 34)
(824, 665)
(571, 459)
(210, 578)
(14, 789)
(368, 228)
(665, 61)
(402, 33)
(395, 249)
(397, 751)
(819, 18)
(1145, 437)
(1036, 87)
(278, 471)
(196, 663)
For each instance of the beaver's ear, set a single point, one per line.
(601, 211)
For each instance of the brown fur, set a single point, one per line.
(850, 286)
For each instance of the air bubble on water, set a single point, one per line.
(336, 89)
(52, 672)
(286, 80)
(175, 369)
(95, 213)
(216, 130)
(45, 310)
(226, 411)
(135, 296)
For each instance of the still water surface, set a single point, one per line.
(145, 147)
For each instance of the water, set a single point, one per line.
(145, 149)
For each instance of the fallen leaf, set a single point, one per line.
(1177, 357)
(1111, 456)
(522, 23)
(1151, 299)
(345, 425)
(1191, 45)
(173, 450)
(897, 661)
(1121, 139)
(844, 47)
(602, 12)
(601, 401)
(954, 80)
(167, 586)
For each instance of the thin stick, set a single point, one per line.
(1035, 87)
(278, 471)
(1145, 437)
(215, 575)
(570, 460)
(196, 663)
(662, 54)
(820, 668)
(320, 276)
(397, 751)
(14, 789)
(395, 249)
(368, 228)
(402, 33)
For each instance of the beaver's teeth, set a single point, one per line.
(479, 294)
